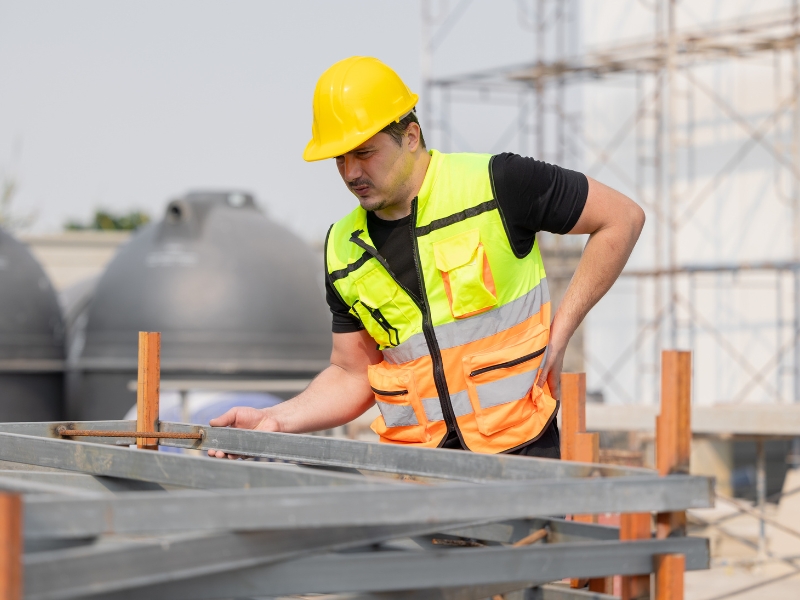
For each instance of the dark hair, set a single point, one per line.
(397, 129)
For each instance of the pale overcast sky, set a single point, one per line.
(126, 104)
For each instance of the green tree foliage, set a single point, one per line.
(108, 221)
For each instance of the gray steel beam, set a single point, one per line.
(49, 429)
(394, 571)
(311, 449)
(560, 530)
(118, 564)
(332, 506)
(390, 458)
(29, 486)
(161, 467)
(78, 481)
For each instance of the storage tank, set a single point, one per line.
(235, 296)
(31, 338)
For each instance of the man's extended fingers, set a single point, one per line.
(228, 418)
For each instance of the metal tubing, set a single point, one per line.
(160, 467)
(77, 481)
(330, 506)
(560, 530)
(128, 564)
(389, 571)
(389, 458)
(311, 449)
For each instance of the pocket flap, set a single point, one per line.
(456, 251)
(376, 288)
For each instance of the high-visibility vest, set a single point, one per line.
(466, 356)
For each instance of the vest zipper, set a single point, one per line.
(427, 325)
(510, 363)
(439, 378)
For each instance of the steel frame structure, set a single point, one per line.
(666, 71)
(102, 520)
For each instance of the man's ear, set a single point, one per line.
(412, 136)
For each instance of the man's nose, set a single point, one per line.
(352, 170)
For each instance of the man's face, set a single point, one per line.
(377, 172)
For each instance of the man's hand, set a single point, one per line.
(551, 371)
(336, 396)
(243, 417)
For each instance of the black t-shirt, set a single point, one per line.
(532, 196)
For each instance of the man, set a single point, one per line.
(441, 313)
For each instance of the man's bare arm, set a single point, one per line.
(613, 222)
(336, 396)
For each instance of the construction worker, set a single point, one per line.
(441, 314)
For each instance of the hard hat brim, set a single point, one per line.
(314, 152)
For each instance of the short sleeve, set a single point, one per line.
(536, 196)
(343, 320)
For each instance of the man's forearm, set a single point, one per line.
(602, 261)
(333, 398)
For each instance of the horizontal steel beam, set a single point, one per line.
(544, 592)
(333, 506)
(74, 481)
(390, 458)
(161, 467)
(559, 530)
(394, 571)
(312, 449)
(125, 564)
(49, 429)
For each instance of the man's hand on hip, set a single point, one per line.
(551, 370)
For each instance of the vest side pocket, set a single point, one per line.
(402, 415)
(466, 274)
(501, 382)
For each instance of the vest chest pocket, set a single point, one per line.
(501, 381)
(402, 415)
(467, 277)
(380, 307)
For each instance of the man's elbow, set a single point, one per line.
(636, 220)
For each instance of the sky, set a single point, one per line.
(127, 104)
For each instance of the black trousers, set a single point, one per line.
(547, 445)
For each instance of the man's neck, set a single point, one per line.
(403, 209)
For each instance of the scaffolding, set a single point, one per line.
(737, 309)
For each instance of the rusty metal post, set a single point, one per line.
(147, 390)
(669, 570)
(674, 431)
(573, 412)
(580, 446)
(635, 526)
(673, 451)
(11, 546)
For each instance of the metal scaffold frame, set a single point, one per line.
(85, 515)
(665, 70)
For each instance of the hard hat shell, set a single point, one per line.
(354, 99)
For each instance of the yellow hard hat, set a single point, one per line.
(355, 99)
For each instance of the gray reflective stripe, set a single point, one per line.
(397, 415)
(459, 401)
(463, 331)
(433, 409)
(506, 390)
